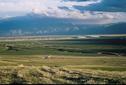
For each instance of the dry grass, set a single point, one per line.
(62, 70)
(58, 75)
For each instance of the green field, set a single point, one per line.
(80, 47)
(65, 61)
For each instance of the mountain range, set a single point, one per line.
(34, 24)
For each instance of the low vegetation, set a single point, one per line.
(75, 61)
(78, 47)
(53, 75)
(36, 69)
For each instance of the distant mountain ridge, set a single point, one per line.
(35, 24)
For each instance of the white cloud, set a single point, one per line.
(27, 5)
(89, 17)
(46, 7)
(51, 8)
(102, 17)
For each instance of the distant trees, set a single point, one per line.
(10, 47)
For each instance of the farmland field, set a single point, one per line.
(90, 60)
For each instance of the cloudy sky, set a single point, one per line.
(87, 11)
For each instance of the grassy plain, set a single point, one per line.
(73, 61)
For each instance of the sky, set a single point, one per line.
(87, 11)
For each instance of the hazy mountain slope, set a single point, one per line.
(34, 24)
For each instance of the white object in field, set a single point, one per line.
(47, 57)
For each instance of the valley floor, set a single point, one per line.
(77, 60)
(34, 69)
